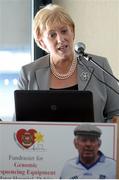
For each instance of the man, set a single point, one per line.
(91, 162)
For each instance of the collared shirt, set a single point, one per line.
(103, 168)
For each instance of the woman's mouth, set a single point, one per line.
(63, 47)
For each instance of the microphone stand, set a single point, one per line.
(89, 58)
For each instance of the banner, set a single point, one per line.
(39, 150)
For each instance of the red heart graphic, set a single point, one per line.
(26, 138)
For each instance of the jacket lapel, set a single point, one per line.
(43, 75)
(43, 78)
(84, 76)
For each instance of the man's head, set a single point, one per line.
(87, 142)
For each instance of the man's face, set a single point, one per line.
(88, 147)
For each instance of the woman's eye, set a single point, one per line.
(52, 35)
(64, 31)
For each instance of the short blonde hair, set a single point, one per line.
(50, 16)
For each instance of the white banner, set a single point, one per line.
(39, 150)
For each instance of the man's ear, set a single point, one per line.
(100, 142)
(76, 143)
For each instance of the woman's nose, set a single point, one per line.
(60, 37)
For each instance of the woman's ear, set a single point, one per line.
(42, 45)
(74, 36)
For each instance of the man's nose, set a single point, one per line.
(88, 143)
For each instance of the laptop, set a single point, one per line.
(54, 105)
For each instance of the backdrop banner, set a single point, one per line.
(39, 150)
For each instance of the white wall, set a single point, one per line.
(97, 25)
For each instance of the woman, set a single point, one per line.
(54, 32)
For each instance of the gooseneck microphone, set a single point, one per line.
(80, 50)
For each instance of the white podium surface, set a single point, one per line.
(39, 150)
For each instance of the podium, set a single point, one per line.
(117, 167)
(40, 149)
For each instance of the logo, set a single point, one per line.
(102, 176)
(27, 138)
(84, 76)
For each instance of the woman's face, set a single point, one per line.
(58, 41)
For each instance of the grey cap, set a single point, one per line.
(87, 129)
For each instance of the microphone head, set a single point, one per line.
(80, 48)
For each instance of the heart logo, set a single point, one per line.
(26, 138)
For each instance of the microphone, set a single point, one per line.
(80, 48)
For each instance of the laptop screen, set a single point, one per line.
(54, 106)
